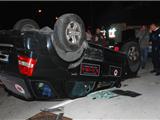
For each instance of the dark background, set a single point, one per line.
(94, 13)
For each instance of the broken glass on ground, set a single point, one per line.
(107, 94)
(103, 94)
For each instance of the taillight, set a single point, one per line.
(26, 65)
(116, 49)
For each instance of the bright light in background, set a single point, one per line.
(39, 11)
(56, 18)
(112, 32)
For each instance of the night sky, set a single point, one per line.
(93, 13)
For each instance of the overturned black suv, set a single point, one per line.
(44, 63)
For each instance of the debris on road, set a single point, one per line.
(103, 94)
(107, 94)
(48, 116)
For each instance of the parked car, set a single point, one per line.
(49, 64)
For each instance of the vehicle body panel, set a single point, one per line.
(99, 64)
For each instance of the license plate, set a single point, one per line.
(89, 69)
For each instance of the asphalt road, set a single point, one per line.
(143, 106)
(12, 108)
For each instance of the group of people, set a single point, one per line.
(147, 36)
(155, 41)
(97, 38)
(150, 36)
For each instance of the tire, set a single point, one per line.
(69, 32)
(26, 24)
(75, 89)
(132, 50)
(69, 57)
(67, 51)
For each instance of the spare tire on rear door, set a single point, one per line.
(69, 37)
(132, 51)
(25, 24)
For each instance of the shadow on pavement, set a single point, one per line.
(126, 93)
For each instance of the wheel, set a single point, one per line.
(68, 38)
(132, 50)
(69, 32)
(26, 24)
(76, 89)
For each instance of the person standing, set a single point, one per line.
(143, 36)
(99, 38)
(88, 35)
(155, 40)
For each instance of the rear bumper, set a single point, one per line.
(26, 88)
(17, 85)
